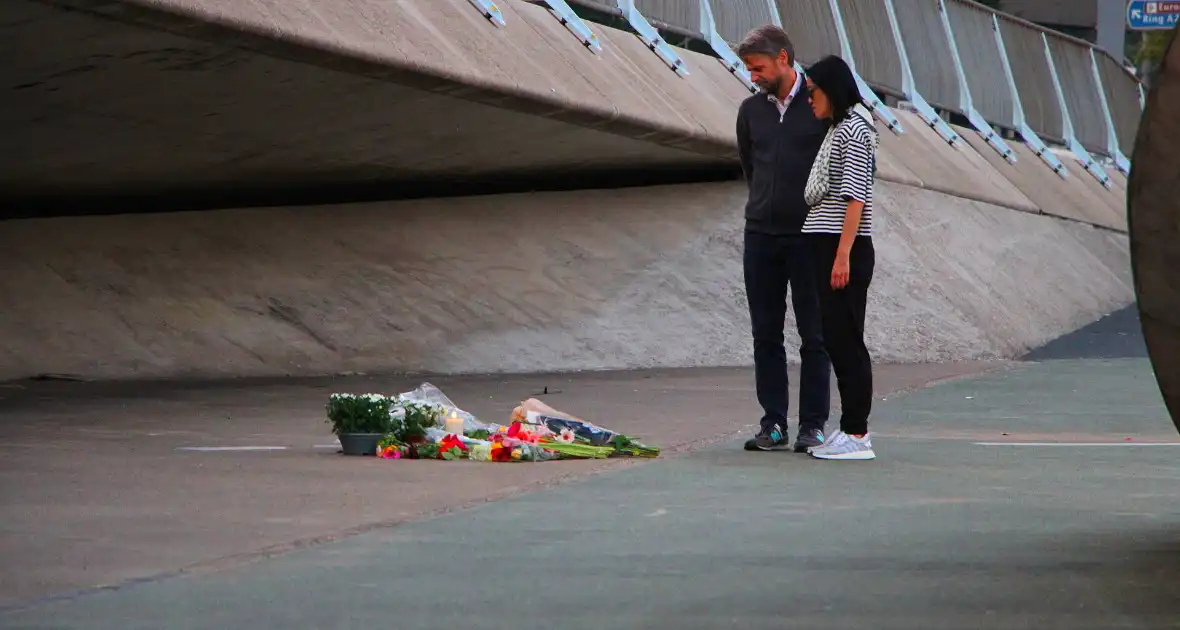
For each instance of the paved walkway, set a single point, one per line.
(945, 530)
(95, 489)
(1036, 495)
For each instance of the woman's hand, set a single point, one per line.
(840, 271)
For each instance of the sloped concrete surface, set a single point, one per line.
(1155, 226)
(210, 103)
(184, 97)
(1078, 196)
(958, 171)
(625, 278)
(188, 98)
(1105, 202)
(953, 277)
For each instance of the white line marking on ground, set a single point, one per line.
(326, 446)
(213, 449)
(1077, 443)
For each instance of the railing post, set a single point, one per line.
(1083, 156)
(571, 21)
(866, 92)
(489, 10)
(774, 16)
(1112, 140)
(651, 37)
(721, 47)
(1029, 136)
(981, 125)
(842, 34)
(925, 111)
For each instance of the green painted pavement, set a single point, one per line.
(938, 533)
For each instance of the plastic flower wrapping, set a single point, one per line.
(535, 432)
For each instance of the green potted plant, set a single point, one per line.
(360, 421)
(410, 422)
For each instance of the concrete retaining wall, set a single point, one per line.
(585, 280)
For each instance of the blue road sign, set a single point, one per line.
(1149, 15)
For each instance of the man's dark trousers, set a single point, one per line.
(771, 263)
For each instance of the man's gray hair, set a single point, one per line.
(768, 40)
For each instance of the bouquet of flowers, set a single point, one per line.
(412, 429)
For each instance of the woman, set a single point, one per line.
(839, 226)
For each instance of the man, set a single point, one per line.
(778, 139)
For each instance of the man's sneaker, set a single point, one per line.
(845, 447)
(808, 439)
(773, 440)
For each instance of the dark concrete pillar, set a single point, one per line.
(1112, 26)
(1153, 214)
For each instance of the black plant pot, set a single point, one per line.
(359, 443)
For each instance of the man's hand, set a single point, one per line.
(840, 272)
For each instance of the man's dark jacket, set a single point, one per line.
(777, 153)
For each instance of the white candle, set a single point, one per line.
(454, 424)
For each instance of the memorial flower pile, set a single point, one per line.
(425, 424)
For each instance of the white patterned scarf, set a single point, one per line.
(820, 179)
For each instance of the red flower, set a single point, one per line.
(501, 453)
(449, 442)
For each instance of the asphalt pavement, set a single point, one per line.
(1041, 496)
(1118, 335)
(108, 483)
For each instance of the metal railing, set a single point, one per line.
(1002, 75)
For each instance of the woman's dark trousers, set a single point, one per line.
(843, 314)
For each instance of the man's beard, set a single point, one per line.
(771, 86)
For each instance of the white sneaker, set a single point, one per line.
(833, 440)
(843, 446)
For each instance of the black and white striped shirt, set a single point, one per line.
(853, 158)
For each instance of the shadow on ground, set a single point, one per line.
(1115, 336)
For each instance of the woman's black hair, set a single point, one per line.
(835, 78)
